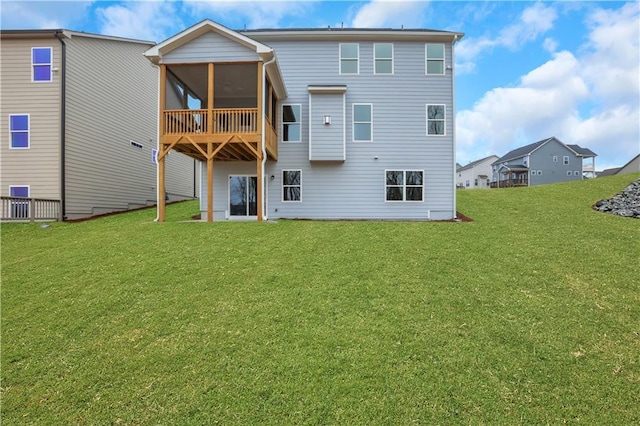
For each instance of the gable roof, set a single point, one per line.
(475, 163)
(522, 151)
(266, 53)
(609, 172)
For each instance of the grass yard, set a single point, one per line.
(528, 315)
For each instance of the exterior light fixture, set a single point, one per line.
(326, 119)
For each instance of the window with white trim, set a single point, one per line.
(576, 173)
(383, 58)
(41, 64)
(19, 131)
(555, 158)
(291, 123)
(404, 185)
(19, 208)
(568, 172)
(349, 55)
(434, 53)
(291, 185)
(435, 120)
(362, 122)
(565, 159)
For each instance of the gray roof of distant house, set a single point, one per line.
(520, 152)
(584, 152)
(609, 172)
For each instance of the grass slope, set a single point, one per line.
(529, 314)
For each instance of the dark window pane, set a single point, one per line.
(20, 191)
(362, 132)
(395, 177)
(291, 113)
(19, 122)
(291, 177)
(349, 50)
(42, 73)
(349, 66)
(42, 56)
(436, 127)
(436, 111)
(291, 133)
(414, 193)
(384, 66)
(435, 67)
(394, 193)
(414, 178)
(292, 193)
(435, 51)
(362, 113)
(20, 140)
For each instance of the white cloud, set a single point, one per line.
(42, 14)
(252, 14)
(144, 20)
(390, 13)
(602, 80)
(534, 21)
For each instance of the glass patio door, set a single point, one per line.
(243, 196)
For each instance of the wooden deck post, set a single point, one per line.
(259, 145)
(210, 86)
(209, 182)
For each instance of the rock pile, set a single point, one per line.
(626, 203)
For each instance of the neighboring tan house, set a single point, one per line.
(542, 162)
(78, 124)
(312, 123)
(476, 174)
(631, 167)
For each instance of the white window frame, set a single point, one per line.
(50, 64)
(11, 132)
(444, 120)
(283, 123)
(576, 173)
(376, 59)
(404, 186)
(555, 158)
(569, 173)
(291, 186)
(565, 160)
(427, 59)
(354, 122)
(356, 59)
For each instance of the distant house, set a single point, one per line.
(476, 174)
(312, 123)
(632, 166)
(542, 162)
(79, 125)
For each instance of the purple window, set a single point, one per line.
(19, 130)
(41, 62)
(20, 191)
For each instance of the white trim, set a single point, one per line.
(33, 65)
(21, 186)
(443, 59)
(26, 206)
(353, 123)
(282, 123)
(282, 186)
(444, 120)
(310, 127)
(327, 88)
(404, 186)
(384, 59)
(357, 59)
(28, 131)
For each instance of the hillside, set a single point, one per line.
(528, 314)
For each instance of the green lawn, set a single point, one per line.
(528, 315)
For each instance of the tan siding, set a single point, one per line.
(112, 100)
(38, 166)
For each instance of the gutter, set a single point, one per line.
(265, 214)
(63, 107)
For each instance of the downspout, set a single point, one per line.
(63, 108)
(158, 148)
(453, 120)
(265, 213)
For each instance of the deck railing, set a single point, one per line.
(196, 121)
(508, 183)
(21, 209)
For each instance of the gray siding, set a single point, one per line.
(39, 166)
(356, 188)
(542, 159)
(112, 94)
(210, 47)
(327, 142)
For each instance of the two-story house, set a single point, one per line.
(476, 174)
(78, 125)
(542, 162)
(312, 123)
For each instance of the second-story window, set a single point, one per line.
(435, 58)
(435, 120)
(349, 54)
(565, 159)
(362, 122)
(41, 64)
(19, 131)
(291, 120)
(383, 58)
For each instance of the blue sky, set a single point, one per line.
(524, 70)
